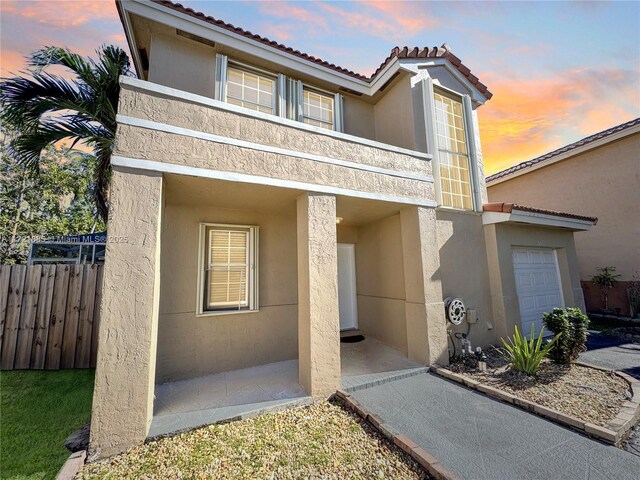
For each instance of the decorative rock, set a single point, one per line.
(79, 440)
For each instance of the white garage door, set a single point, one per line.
(537, 284)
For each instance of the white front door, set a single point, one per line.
(537, 284)
(347, 286)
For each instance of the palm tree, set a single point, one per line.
(45, 108)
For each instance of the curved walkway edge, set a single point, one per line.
(478, 438)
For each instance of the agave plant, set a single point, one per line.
(525, 355)
(45, 108)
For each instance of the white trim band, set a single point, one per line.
(152, 165)
(143, 85)
(163, 127)
(533, 218)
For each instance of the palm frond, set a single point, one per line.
(45, 108)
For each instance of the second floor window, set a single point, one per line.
(453, 153)
(251, 89)
(317, 109)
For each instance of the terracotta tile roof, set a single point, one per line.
(509, 207)
(566, 148)
(436, 52)
(426, 52)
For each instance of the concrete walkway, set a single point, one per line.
(479, 438)
(617, 354)
(614, 353)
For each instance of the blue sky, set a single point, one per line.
(559, 70)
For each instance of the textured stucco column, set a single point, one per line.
(125, 370)
(318, 319)
(424, 308)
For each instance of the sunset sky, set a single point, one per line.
(558, 71)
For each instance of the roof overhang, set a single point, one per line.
(188, 23)
(562, 156)
(506, 213)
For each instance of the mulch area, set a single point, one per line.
(586, 393)
(322, 441)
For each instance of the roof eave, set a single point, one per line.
(523, 169)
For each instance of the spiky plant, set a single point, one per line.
(46, 108)
(524, 355)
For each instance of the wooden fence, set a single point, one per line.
(49, 316)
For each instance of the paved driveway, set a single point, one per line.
(617, 354)
(479, 438)
(614, 353)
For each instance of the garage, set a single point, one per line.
(537, 285)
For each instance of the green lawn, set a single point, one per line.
(38, 410)
(605, 324)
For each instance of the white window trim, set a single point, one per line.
(432, 144)
(338, 116)
(252, 283)
(243, 67)
(288, 95)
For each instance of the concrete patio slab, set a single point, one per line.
(214, 398)
(371, 362)
(477, 437)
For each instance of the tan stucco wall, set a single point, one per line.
(125, 371)
(190, 345)
(394, 115)
(359, 119)
(500, 240)
(380, 282)
(181, 63)
(424, 308)
(145, 144)
(318, 318)
(603, 182)
(155, 107)
(464, 271)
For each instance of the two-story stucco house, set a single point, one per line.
(264, 200)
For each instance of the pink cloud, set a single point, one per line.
(288, 11)
(60, 14)
(531, 116)
(409, 16)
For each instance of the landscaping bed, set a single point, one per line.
(320, 441)
(588, 394)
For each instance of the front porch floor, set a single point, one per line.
(204, 400)
(371, 362)
(191, 403)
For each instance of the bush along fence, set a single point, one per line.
(49, 316)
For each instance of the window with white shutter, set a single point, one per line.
(229, 279)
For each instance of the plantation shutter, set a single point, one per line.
(228, 268)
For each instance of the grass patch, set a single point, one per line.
(606, 324)
(320, 441)
(39, 410)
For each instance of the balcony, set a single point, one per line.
(169, 130)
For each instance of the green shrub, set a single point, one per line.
(572, 324)
(525, 355)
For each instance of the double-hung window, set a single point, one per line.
(251, 89)
(317, 108)
(229, 269)
(276, 94)
(453, 152)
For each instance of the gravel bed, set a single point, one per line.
(586, 393)
(322, 441)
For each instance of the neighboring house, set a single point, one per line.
(598, 175)
(268, 200)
